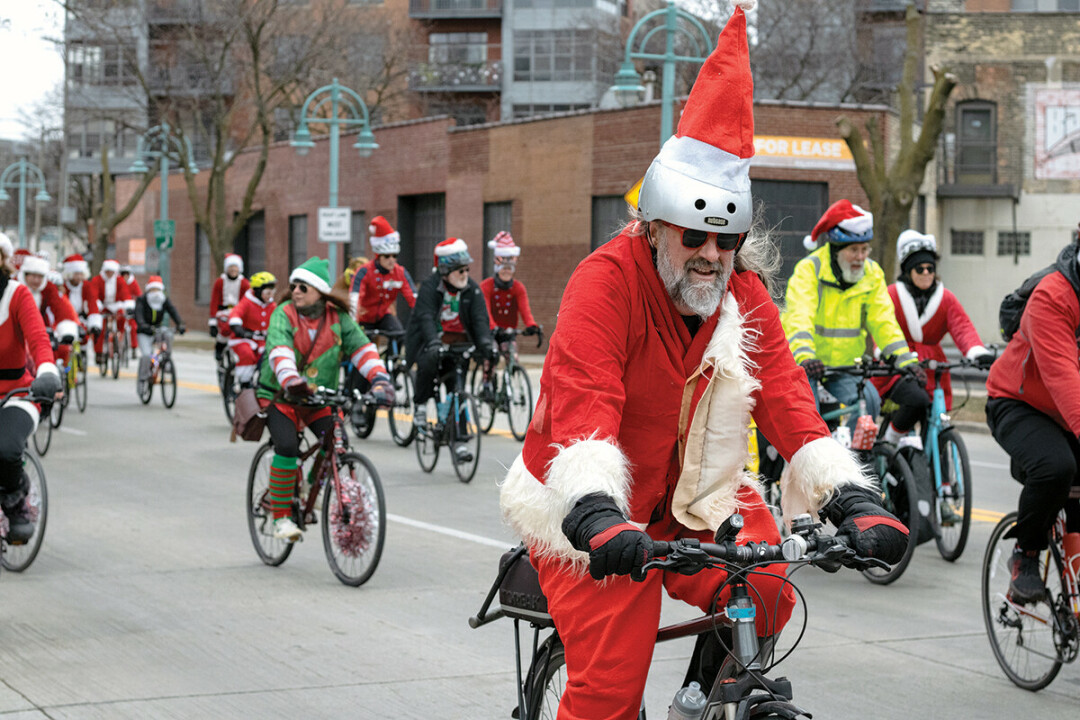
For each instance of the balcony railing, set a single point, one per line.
(456, 76)
(164, 12)
(187, 80)
(434, 9)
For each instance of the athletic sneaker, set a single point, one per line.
(285, 529)
(1026, 585)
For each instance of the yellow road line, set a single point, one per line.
(990, 516)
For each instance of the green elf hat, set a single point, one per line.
(314, 271)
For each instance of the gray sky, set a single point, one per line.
(30, 65)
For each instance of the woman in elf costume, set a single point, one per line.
(309, 336)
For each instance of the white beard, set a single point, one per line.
(847, 274)
(155, 299)
(702, 298)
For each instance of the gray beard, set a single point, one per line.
(702, 298)
(845, 272)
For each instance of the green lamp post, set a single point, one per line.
(23, 175)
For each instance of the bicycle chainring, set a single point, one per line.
(1066, 630)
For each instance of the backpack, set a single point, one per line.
(1012, 306)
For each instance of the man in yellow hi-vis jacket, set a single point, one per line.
(835, 296)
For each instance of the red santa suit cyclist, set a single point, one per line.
(377, 284)
(113, 297)
(248, 322)
(134, 291)
(226, 293)
(79, 293)
(506, 297)
(56, 310)
(26, 358)
(668, 343)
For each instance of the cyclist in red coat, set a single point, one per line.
(377, 284)
(248, 322)
(134, 291)
(113, 297)
(26, 358)
(506, 297)
(56, 310)
(227, 291)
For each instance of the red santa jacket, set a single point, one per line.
(56, 311)
(924, 332)
(1041, 364)
(82, 298)
(252, 314)
(133, 288)
(374, 290)
(623, 408)
(504, 306)
(22, 337)
(226, 293)
(112, 294)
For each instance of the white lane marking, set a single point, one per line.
(480, 539)
(995, 466)
(73, 431)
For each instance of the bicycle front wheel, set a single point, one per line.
(519, 395)
(900, 496)
(465, 439)
(260, 511)
(114, 355)
(1021, 636)
(546, 681)
(400, 416)
(17, 558)
(43, 435)
(168, 382)
(56, 414)
(125, 349)
(81, 384)
(952, 512)
(354, 523)
(485, 397)
(228, 393)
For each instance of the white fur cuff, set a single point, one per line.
(814, 471)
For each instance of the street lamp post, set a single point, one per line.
(336, 98)
(158, 143)
(676, 23)
(23, 175)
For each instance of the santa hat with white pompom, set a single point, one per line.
(384, 239)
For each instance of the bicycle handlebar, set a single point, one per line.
(25, 392)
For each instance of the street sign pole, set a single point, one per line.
(166, 247)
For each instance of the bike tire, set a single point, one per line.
(427, 444)
(467, 414)
(228, 394)
(903, 502)
(114, 356)
(43, 435)
(1022, 642)
(56, 413)
(103, 359)
(260, 516)
(365, 430)
(545, 681)
(17, 558)
(520, 399)
(485, 402)
(82, 384)
(125, 349)
(168, 382)
(400, 416)
(956, 471)
(354, 548)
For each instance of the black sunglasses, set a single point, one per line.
(303, 287)
(924, 269)
(693, 239)
(389, 255)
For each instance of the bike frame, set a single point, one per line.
(330, 447)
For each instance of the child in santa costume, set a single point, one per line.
(925, 311)
(227, 291)
(248, 322)
(150, 310)
(26, 358)
(113, 298)
(56, 310)
(134, 291)
(309, 336)
(376, 285)
(668, 343)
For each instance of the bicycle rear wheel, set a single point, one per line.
(81, 383)
(56, 414)
(125, 348)
(465, 433)
(102, 358)
(1022, 637)
(168, 382)
(485, 397)
(228, 393)
(519, 396)
(546, 680)
(260, 513)
(366, 417)
(900, 496)
(400, 416)
(952, 511)
(354, 524)
(114, 354)
(43, 435)
(17, 558)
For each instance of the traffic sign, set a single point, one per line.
(164, 232)
(335, 224)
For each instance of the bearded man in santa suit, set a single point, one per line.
(56, 310)
(113, 297)
(667, 344)
(226, 293)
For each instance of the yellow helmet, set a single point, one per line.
(262, 279)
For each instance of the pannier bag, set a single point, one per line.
(519, 592)
(249, 418)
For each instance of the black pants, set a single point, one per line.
(15, 427)
(913, 400)
(283, 432)
(428, 371)
(387, 323)
(1045, 458)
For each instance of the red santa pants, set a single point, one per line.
(609, 628)
(99, 341)
(247, 357)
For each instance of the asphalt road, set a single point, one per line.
(148, 601)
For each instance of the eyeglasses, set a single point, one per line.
(389, 255)
(693, 239)
(924, 269)
(303, 287)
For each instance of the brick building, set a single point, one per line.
(556, 183)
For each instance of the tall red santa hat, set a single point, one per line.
(503, 244)
(231, 260)
(384, 239)
(701, 178)
(75, 264)
(110, 266)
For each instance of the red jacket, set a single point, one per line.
(133, 288)
(226, 298)
(22, 337)
(505, 306)
(252, 315)
(56, 310)
(112, 294)
(374, 290)
(1041, 364)
(82, 297)
(924, 333)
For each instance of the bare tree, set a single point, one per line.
(892, 184)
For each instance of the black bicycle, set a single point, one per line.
(454, 422)
(17, 557)
(400, 415)
(507, 390)
(740, 689)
